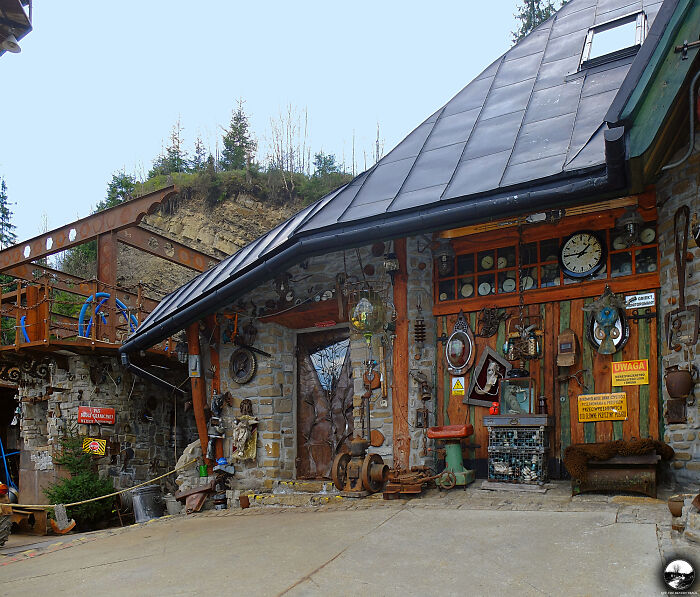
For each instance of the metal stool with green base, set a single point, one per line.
(454, 473)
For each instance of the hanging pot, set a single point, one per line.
(679, 382)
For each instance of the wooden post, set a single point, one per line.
(199, 389)
(216, 377)
(399, 398)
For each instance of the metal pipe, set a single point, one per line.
(691, 142)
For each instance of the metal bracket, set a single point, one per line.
(647, 314)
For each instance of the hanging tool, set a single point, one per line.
(674, 319)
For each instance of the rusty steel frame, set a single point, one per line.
(157, 244)
(117, 218)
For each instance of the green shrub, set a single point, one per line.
(83, 484)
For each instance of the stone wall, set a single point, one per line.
(273, 390)
(675, 188)
(151, 425)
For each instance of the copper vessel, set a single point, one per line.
(679, 382)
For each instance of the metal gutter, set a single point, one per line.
(425, 219)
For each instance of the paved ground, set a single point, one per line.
(457, 543)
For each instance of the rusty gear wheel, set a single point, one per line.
(339, 471)
(367, 482)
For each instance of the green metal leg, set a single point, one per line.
(454, 473)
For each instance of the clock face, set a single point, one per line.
(582, 254)
(508, 285)
(647, 235)
(487, 262)
(484, 288)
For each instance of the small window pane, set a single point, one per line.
(645, 260)
(620, 264)
(529, 278)
(549, 275)
(485, 261)
(486, 284)
(446, 290)
(507, 281)
(613, 39)
(529, 253)
(466, 288)
(549, 250)
(506, 257)
(465, 264)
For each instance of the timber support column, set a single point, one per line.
(199, 389)
(213, 325)
(399, 395)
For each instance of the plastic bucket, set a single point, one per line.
(172, 505)
(147, 502)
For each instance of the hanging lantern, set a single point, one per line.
(391, 265)
(367, 312)
(445, 256)
(629, 223)
(181, 352)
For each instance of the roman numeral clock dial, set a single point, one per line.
(582, 255)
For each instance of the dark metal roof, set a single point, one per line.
(530, 121)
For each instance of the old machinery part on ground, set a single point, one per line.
(358, 474)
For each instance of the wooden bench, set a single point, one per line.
(636, 474)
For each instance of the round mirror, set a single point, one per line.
(459, 352)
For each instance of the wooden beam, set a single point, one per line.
(399, 395)
(199, 389)
(76, 233)
(166, 248)
(215, 330)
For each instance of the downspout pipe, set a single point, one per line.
(691, 142)
(426, 219)
(147, 375)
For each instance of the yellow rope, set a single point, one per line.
(51, 506)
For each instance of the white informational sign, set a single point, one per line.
(636, 301)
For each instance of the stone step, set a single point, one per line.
(320, 486)
(293, 499)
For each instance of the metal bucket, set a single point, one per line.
(147, 502)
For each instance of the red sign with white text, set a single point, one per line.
(90, 415)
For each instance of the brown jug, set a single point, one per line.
(679, 382)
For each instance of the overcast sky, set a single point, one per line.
(99, 85)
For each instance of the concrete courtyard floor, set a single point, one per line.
(472, 542)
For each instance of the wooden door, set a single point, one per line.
(324, 395)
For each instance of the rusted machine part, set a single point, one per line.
(374, 473)
(357, 474)
(407, 483)
(635, 474)
(376, 438)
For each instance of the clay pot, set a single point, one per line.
(679, 382)
(675, 505)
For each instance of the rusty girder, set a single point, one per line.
(76, 233)
(166, 248)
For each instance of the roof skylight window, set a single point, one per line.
(614, 39)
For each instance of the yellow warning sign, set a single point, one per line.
(630, 373)
(458, 386)
(94, 445)
(602, 407)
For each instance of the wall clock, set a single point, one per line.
(582, 254)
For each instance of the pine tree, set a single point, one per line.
(7, 228)
(175, 158)
(531, 13)
(199, 159)
(119, 190)
(239, 147)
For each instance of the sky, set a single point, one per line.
(98, 86)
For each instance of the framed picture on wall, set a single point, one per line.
(485, 383)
